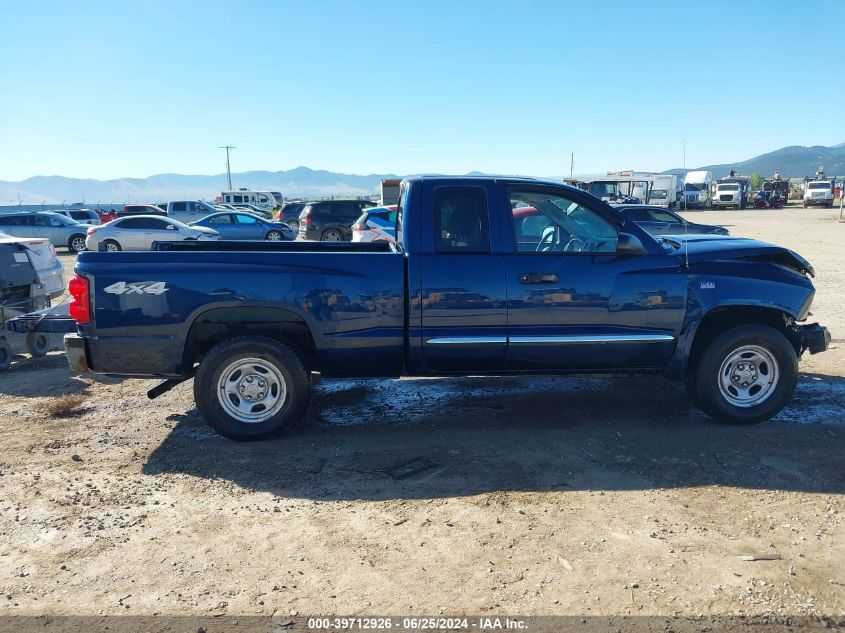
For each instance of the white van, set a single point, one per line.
(268, 200)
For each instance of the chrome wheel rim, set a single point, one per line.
(274, 236)
(111, 246)
(78, 244)
(251, 390)
(332, 236)
(748, 376)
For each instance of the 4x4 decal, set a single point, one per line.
(137, 288)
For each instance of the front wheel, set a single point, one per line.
(745, 375)
(274, 236)
(249, 387)
(111, 246)
(76, 243)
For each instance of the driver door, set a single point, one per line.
(573, 302)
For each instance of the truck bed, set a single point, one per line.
(147, 305)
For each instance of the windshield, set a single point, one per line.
(728, 187)
(695, 186)
(659, 194)
(820, 185)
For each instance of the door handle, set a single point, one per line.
(537, 278)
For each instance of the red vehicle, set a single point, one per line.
(769, 200)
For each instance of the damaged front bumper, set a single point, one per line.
(814, 338)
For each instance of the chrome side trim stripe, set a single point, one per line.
(471, 340)
(597, 338)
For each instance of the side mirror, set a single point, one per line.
(171, 227)
(627, 244)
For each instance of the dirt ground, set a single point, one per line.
(475, 495)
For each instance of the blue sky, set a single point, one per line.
(110, 89)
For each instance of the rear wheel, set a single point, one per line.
(332, 235)
(249, 387)
(76, 243)
(112, 246)
(37, 344)
(294, 224)
(745, 375)
(274, 236)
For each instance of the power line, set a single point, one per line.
(228, 169)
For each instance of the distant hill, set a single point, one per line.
(795, 161)
(298, 182)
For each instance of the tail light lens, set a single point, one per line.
(80, 306)
(90, 231)
(305, 219)
(359, 227)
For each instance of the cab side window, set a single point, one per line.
(550, 222)
(461, 220)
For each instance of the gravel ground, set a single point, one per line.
(479, 495)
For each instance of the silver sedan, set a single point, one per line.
(138, 232)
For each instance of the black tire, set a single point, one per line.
(5, 354)
(76, 243)
(274, 236)
(112, 246)
(805, 204)
(37, 344)
(269, 353)
(332, 235)
(707, 375)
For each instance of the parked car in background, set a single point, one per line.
(187, 211)
(83, 216)
(661, 221)
(42, 256)
(140, 209)
(137, 233)
(289, 214)
(233, 225)
(61, 231)
(377, 224)
(251, 208)
(107, 215)
(330, 220)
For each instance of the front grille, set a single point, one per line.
(726, 197)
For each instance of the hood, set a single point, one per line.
(703, 248)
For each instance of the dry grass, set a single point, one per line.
(64, 406)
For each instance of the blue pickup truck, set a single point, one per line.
(488, 276)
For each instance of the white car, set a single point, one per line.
(377, 224)
(42, 256)
(138, 232)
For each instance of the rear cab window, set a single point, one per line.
(461, 220)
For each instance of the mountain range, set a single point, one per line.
(793, 161)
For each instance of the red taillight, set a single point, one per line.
(359, 227)
(305, 220)
(80, 306)
(90, 231)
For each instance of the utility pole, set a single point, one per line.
(571, 165)
(228, 169)
(684, 187)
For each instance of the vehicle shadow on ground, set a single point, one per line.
(513, 434)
